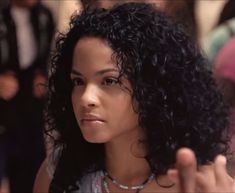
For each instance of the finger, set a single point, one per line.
(205, 181)
(173, 175)
(220, 169)
(207, 173)
(186, 165)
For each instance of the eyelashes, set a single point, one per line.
(77, 81)
(110, 81)
(106, 81)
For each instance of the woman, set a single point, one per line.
(128, 88)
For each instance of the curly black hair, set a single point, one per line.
(179, 104)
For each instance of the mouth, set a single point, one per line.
(91, 120)
(91, 123)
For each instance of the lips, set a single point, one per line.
(91, 120)
(90, 117)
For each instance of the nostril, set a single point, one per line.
(91, 105)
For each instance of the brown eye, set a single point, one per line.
(77, 82)
(110, 81)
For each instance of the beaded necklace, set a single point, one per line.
(125, 187)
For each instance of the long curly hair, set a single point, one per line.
(178, 101)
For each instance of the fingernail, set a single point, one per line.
(221, 159)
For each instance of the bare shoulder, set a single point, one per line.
(42, 180)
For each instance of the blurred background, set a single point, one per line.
(27, 31)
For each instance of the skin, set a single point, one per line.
(9, 86)
(42, 180)
(208, 179)
(24, 3)
(97, 92)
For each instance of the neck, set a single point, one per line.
(122, 162)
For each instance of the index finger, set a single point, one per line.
(186, 165)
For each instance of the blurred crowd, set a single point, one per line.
(27, 30)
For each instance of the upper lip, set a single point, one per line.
(91, 117)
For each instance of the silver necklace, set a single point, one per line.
(105, 184)
(106, 188)
(125, 187)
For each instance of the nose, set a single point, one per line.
(89, 96)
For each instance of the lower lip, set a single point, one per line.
(88, 123)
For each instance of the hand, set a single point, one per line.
(9, 86)
(215, 178)
(208, 179)
(39, 88)
(185, 172)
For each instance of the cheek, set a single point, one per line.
(75, 97)
(73, 101)
(75, 104)
(125, 114)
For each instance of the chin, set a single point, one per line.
(95, 139)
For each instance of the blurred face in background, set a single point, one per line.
(24, 3)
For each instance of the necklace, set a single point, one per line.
(125, 187)
(105, 184)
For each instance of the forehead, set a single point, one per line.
(89, 47)
(93, 51)
(90, 42)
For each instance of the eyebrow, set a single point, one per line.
(101, 72)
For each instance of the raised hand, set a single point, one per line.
(208, 179)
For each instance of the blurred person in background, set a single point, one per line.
(64, 11)
(67, 8)
(224, 72)
(182, 10)
(219, 37)
(206, 20)
(228, 12)
(222, 30)
(3, 3)
(26, 31)
(3, 181)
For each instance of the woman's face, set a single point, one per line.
(102, 104)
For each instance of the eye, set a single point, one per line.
(110, 81)
(77, 81)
